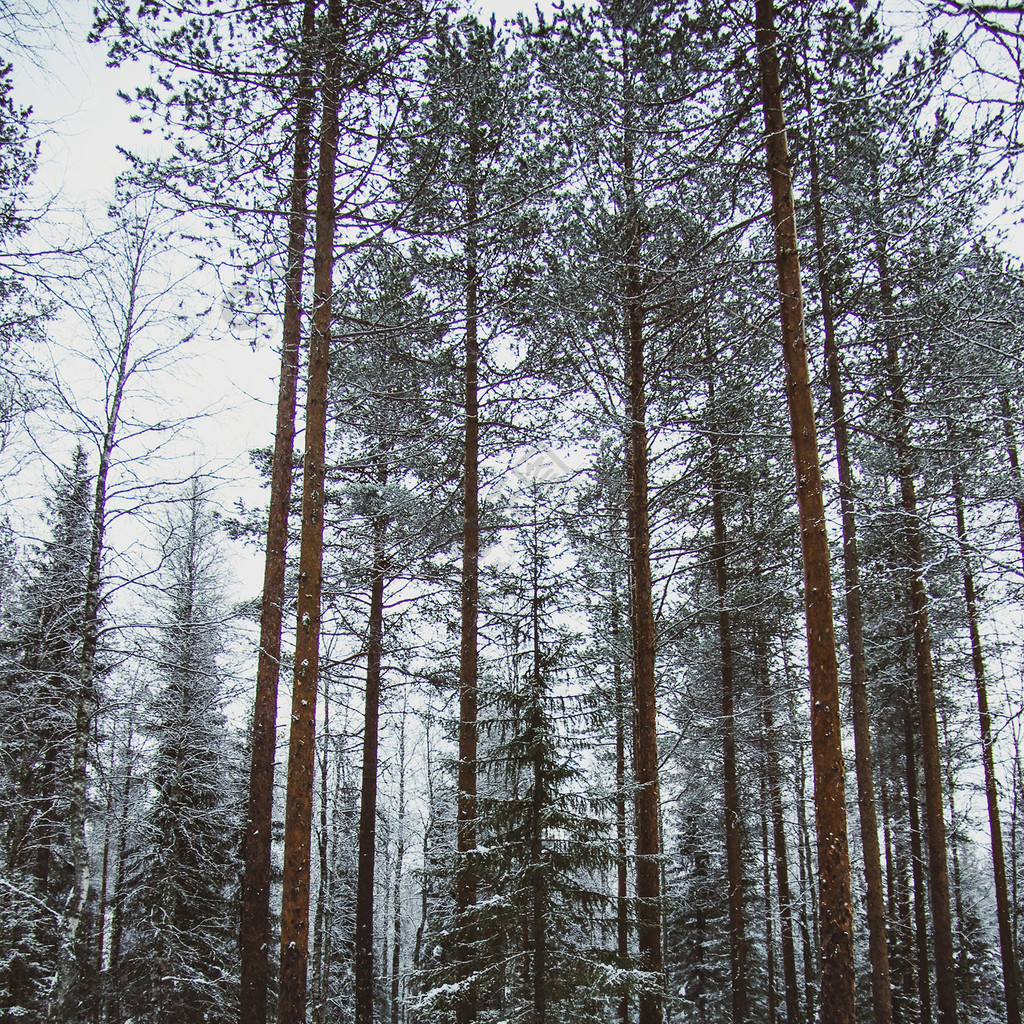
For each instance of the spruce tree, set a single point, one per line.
(41, 644)
(179, 960)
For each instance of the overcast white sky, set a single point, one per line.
(79, 122)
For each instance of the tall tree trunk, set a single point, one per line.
(101, 913)
(396, 942)
(330, 899)
(538, 924)
(427, 827)
(771, 770)
(835, 909)
(68, 971)
(113, 988)
(368, 800)
(808, 933)
(917, 868)
(900, 937)
(733, 821)
(648, 870)
(324, 883)
(621, 894)
(1011, 978)
(938, 874)
(254, 930)
(1011, 451)
(954, 851)
(301, 745)
(766, 885)
(878, 950)
(466, 879)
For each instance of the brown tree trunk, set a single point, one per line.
(319, 986)
(733, 821)
(893, 888)
(808, 934)
(917, 869)
(363, 967)
(466, 880)
(836, 913)
(771, 770)
(299, 798)
(396, 942)
(938, 874)
(878, 950)
(538, 924)
(1011, 450)
(645, 761)
(621, 895)
(766, 885)
(254, 931)
(1011, 978)
(428, 769)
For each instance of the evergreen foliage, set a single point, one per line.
(553, 279)
(178, 962)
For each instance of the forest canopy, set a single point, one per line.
(640, 518)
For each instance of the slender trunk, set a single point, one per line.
(771, 770)
(101, 914)
(938, 875)
(835, 909)
(427, 826)
(363, 968)
(113, 988)
(330, 896)
(540, 802)
(46, 824)
(85, 702)
(766, 885)
(954, 850)
(396, 943)
(878, 951)
(898, 959)
(808, 934)
(1011, 979)
(648, 870)
(1011, 450)
(254, 930)
(301, 741)
(323, 885)
(466, 880)
(1015, 816)
(733, 821)
(917, 867)
(621, 900)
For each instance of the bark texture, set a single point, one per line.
(771, 770)
(648, 871)
(1011, 974)
(299, 799)
(835, 910)
(733, 821)
(917, 870)
(938, 872)
(368, 793)
(466, 881)
(254, 931)
(878, 949)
